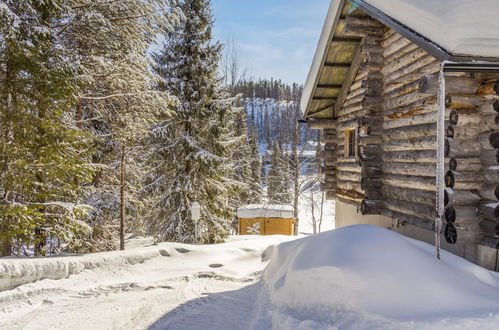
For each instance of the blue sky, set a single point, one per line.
(277, 38)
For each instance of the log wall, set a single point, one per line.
(392, 105)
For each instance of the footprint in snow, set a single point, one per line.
(216, 265)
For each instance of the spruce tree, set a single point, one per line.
(191, 159)
(44, 157)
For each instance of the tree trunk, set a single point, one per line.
(122, 197)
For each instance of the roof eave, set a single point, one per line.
(320, 54)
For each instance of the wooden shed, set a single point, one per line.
(266, 220)
(407, 95)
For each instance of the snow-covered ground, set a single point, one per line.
(359, 277)
(151, 286)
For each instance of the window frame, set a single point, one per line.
(351, 143)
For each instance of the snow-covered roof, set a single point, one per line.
(460, 27)
(458, 30)
(265, 211)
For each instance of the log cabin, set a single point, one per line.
(407, 96)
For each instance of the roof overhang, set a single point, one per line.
(313, 104)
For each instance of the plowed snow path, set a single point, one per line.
(190, 287)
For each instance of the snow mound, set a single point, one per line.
(365, 276)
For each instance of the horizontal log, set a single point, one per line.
(348, 176)
(410, 195)
(490, 193)
(405, 100)
(412, 182)
(489, 211)
(417, 169)
(412, 120)
(404, 61)
(415, 109)
(370, 139)
(350, 195)
(423, 65)
(490, 107)
(411, 132)
(404, 219)
(463, 132)
(396, 43)
(463, 117)
(317, 124)
(464, 164)
(460, 197)
(462, 148)
(490, 157)
(461, 215)
(490, 122)
(463, 101)
(419, 210)
(349, 167)
(489, 88)
(490, 228)
(426, 143)
(491, 174)
(371, 207)
(349, 185)
(428, 84)
(463, 180)
(370, 149)
(489, 140)
(419, 156)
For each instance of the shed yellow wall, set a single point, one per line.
(268, 226)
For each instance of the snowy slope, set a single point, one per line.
(369, 277)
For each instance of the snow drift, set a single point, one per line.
(365, 276)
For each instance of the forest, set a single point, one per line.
(115, 116)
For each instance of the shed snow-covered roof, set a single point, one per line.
(265, 211)
(457, 30)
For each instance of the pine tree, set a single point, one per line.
(192, 150)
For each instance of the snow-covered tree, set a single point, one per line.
(119, 101)
(278, 177)
(191, 154)
(44, 157)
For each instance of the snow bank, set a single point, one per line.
(15, 272)
(365, 276)
(265, 211)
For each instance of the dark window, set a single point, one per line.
(351, 143)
